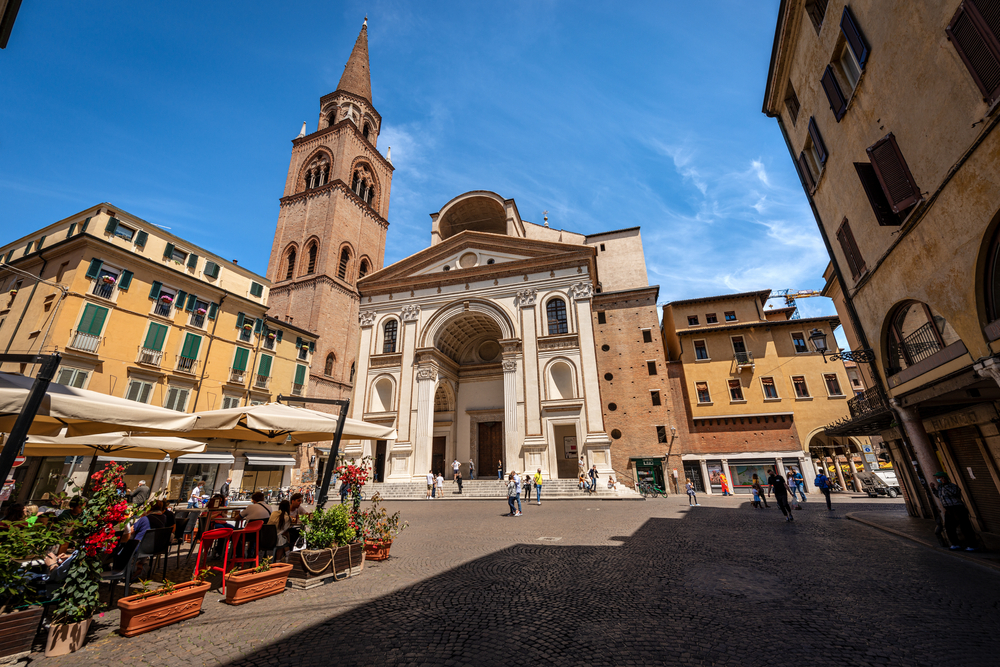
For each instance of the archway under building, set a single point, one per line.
(839, 457)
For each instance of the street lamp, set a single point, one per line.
(863, 356)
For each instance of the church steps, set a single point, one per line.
(492, 489)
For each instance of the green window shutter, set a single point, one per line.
(179, 299)
(9, 255)
(93, 320)
(72, 228)
(154, 292)
(95, 268)
(211, 269)
(125, 280)
(140, 239)
(86, 223)
(258, 324)
(41, 242)
(256, 289)
(213, 309)
(191, 345)
(240, 360)
(112, 226)
(168, 252)
(192, 260)
(312, 346)
(300, 374)
(264, 368)
(155, 336)
(298, 342)
(192, 299)
(278, 337)
(27, 248)
(239, 320)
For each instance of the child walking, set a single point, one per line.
(756, 498)
(692, 500)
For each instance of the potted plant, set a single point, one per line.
(170, 603)
(93, 532)
(254, 583)
(247, 326)
(166, 298)
(20, 608)
(13, 293)
(330, 542)
(270, 335)
(108, 279)
(378, 529)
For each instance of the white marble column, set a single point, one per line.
(360, 395)
(423, 442)
(512, 443)
(410, 316)
(525, 300)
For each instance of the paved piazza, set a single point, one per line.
(609, 583)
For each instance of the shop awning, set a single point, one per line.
(207, 457)
(126, 459)
(269, 460)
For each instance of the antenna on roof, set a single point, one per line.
(545, 215)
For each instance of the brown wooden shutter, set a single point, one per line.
(976, 40)
(857, 41)
(897, 181)
(817, 139)
(792, 103)
(850, 248)
(838, 103)
(807, 176)
(876, 196)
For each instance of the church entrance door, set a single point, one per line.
(490, 447)
(380, 460)
(437, 455)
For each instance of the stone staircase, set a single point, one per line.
(493, 489)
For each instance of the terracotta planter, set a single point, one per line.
(249, 586)
(68, 638)
(141, 614)
(17, 630)
(377, 550)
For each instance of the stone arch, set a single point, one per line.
(444, 397)
(365, 266)
(455, 310)
(560, 379)
(987, 276)
(310, 258)
(320, 159)
(345, 268)
(551, 298)
(382, 395)
(911, 332)
(480, 211)
(331, 362)
(362, 173)
(380, 338)
(289, 258)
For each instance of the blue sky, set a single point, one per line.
(607, 115)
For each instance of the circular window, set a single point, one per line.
(615, 433)
(605, 348)
(447, 268)
(490, 260)
(612, 406)
(609, 377)
(468, 260)
(489, 350)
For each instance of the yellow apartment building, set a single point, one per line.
(757, 393)
(140, 313)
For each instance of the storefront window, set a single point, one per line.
(184, 475)
(49, 479)
(744, 473)
(262, 478)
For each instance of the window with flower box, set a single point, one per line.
(199, 313)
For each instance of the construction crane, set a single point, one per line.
(791, 295)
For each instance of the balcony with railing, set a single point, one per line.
(237, 376)
(261, 381)
(197, 319)
(304, 352)
(916, 347)
(149, 357)
(297, 389)
(103, 289)
(85, 342)
(163, 308)
(268, 342)
(186, 365)
(743, 360)
(870, 415)
(245, 334)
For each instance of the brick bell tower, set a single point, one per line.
(332, 225)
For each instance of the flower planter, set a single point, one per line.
(65, 639)
(17, 631)
(377, 550)
(348, 561)
(311, 568)
(249, 586)
(141, 614)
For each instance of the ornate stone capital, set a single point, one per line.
(410, 313)
(581, 291)
(509, 366)
(525, 298)
(426, 373)
(367, 318)
(989, 368)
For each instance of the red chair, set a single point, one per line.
(240, 537)
(210, 536)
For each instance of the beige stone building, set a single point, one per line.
(758, 395)
(140, 313)
(889, 113)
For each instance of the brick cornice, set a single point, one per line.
(346, 124)
(340, 92)
(336, 184)
(317, 279)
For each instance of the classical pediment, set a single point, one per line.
(469, 256)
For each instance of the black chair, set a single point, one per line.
(122, 567)
(179, 527)
(156, 543)
(268, 540)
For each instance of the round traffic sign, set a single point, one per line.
(19, 460)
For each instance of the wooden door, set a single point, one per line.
(437, 455)
(380, 460)
(490, 447)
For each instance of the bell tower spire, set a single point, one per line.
(356, 78)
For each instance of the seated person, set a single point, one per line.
(216, 515)
(74, 511)
(156, 517)
(281, 519)
(297, 511)
(31, 514)
(258, 510)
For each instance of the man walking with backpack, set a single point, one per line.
(822, 483)
(956, 514)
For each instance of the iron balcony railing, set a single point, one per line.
(262, 381)
(303, 352)
(743, 359)
(268, 343)
(870, 402)
(197, 320)
(149, 357)
(103, 289)
(163, 308)
(916, 347)
(85, 342)
(238, 376)
(185, 365)
(245, 334)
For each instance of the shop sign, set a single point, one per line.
(871, 458)
(8, 488)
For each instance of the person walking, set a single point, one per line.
(511, 495)
(692, 499)
(760, 490)
(822, 482)
(458, 479)
(527, 486)
(538, 487)
(593, 479)
(517, 482)
(780, 491)
(499, 469)
(956, 514)
(456, 468)
(430, 484)
(724, 482)
(225, 488)
(796, 483)
(440, 486)
(472, 469)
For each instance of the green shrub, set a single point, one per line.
(329, 528)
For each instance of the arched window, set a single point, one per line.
(389, 339)
(352, 372)
(313, 247)
(290, 265)
(356, 183)
(561, 381)
(370, 195)
(331, 359)
(367, 131)
(332, 118)
(915, 333)
(318, 172)
(556, 311)
(363, 271)
(345, 259)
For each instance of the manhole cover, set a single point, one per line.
(549, 539)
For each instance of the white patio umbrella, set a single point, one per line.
(149, 447)
(277, 422)
(82, 412)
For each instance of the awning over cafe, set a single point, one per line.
(207, 458)
(269, 459)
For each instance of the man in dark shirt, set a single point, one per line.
(956, 514)
(780, 491)
(140, 495)
(225, 487)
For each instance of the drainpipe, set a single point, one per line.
(204, 367)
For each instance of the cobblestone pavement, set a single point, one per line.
(608, 583)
